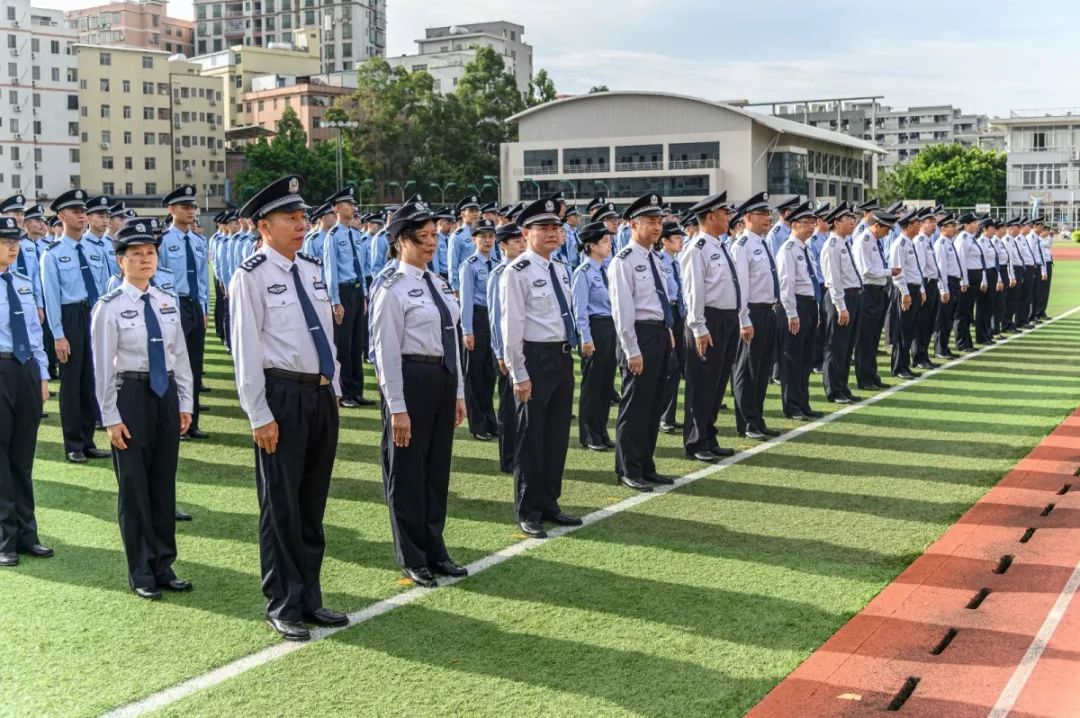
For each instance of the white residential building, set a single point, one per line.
(1043, 151)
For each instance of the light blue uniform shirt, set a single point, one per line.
(590, 295)
(378, 252)
(777, 236)
(29, 263)
(672, 280)
(439, 261)
(62, 279)
(24, 288)
(104, 243)
(313, 247)
(495, 309)
(342, 260)
(813, 247)
(461, 248)
(621, 239)
(172, 255)
(473, 281)
(569, 250)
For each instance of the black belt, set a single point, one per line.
(761, 305)
(852, 290)
(599, 317)
(932, 280)
(722, 311)
(916, 285)
(6, 355)
(82, 303)
(805, 298)
(298, 377)
(422, 358)
(651, 322)
(353, 284)
(875, 287)
(479, 308)
(187, 298)
(137, 375)
(551, 346)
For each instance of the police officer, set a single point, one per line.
(145, 389)
(569, 253)
(461, 245)
(72, 275)
(184, 254)
(797, 315)
(909, 293)
(538, 332)
(444, 220)
(843, 297)
(287, 379)
(592, 316)
(1038, 256)
(1016, 271)
(37, 231)
(480, 365)
(1046, 244)
(998, 322)
(28, 261)
(986, 302)
(668, 247)
(98, 212)
(954, 280)
(343, 268)
(24, 387)
(414, 340)
(509, 238)
(754, 359)
(973, 266)
(936, 291)
(869, 254)
(643, 327)
(378, 244)
(716, 315)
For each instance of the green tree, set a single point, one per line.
(953, 175)
(491, 94)
(598, 88)
(541, 88)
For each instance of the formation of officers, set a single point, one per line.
(451, 308)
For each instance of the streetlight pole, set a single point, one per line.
(573, 189)
(498, 187)
(534, 183)
(408, 183)
(340, 126)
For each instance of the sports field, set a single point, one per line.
(693, 602)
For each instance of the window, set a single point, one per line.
(346, 49)
(35, 73)
(105, 110)
(11, 40)
(106, 163)
(10, 12)
(54, 47)
(104, 82)
(38, 154)
(54, 74)
(639, 157)
(128, 164)
(692, 155)
(106, 137)
(105, 58)
(148, 113)
(73, 155)
(72, 74)
(583, 159)
(151, 188)
(150, 163)
(127, 137)
(148, 88)
(36, 99)
(787, 173)
(129, 188)
(73, 129)
(148, 138)
(148, 60)
(108, 188)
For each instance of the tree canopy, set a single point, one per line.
(953, 175)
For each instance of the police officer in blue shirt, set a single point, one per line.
(97, 219)
(37, 231)
(24, 387)
(513, 244)
(569, 253)
(592, 315)
(72, 274)
(668, 248)
(29, 260)
(780, 231)
(379, 249)
(476, 333)
(444, 221)
(343, 269)
(323, 218)
(184, 253)
(461, 244)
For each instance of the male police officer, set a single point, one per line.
(843, 299)
(797, 315)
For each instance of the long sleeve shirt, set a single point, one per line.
(530, 308)
(632, 287)
(495, 309)
(712, 278)
(62, 278)
(839, 270)
(870, 260)
(971, 256)
(185, 255)
(473, 283)
(591, 296)
(950, 260)
(902, 256)
(793, 268)
(24, 290)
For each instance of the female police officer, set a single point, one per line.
(414, 341)
(144, 385)
(592, 314)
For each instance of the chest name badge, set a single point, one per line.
(24, 290)
(65, 259)
(166, 309)
(276, 288)
(640, 268)
(416, 292)
(539, 282)
(174, 248)
(319, 285)
(129, 314)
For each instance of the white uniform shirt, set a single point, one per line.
(632, 288)
(793, 266)
(530, 309)
(902, 255)
(1015, 260)
(405, 319)
(269, 330)
(971, 255)
(752, 256)
(708, 281)
(119, 340)
(870, 259)
(924, 251)
(838, 268)
(949, 259)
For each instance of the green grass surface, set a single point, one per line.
(695, 603)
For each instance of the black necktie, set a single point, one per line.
(192, 271)
(813, 275)
(155, 349)
(20, 336)
(449, 359)
(564, 307)
(603, 276)
(88, 278)
(355, 259)
(772, 269)
(322, 346)
(734, 277)
(662, 293)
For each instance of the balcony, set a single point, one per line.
(638, 166)
(691, 164)
(539, 170)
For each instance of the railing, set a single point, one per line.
(537, 170)
(691, 164)
(581, 169)
(638, 166)
(1044, 112)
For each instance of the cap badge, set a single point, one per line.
(189, 191)
(140, 227)
(549, 206)
(654, 199)
(765, 196)
(19, 199)
(294, 186)
(78, 194)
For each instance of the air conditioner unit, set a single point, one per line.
(16, 108)
(18, 136)
(14, 81)
(15, 23)
(18, 165)
(187, 172)
(213, 151)
(213, 103)
(214, 175)
(14, 52)
(104, 145)
(1076, 155)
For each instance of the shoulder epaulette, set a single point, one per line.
(389, 281)
(459, 230)
(498, 270)
(742, 240)
(472, 258)
(832, 241)
(252, 262)
(20, 275)
(624, 253)
(308, 258)
(335, 228)
(700, 243)
(109, 296)
(520, 264)
(559, 261)
(53, 245)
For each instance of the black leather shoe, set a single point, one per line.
(635, 484)
(448, 568)
(289, 630)
(755, 435)
(533, 529)
(596, 447)
(667, 428)
(867, 387)
(326, 617)
(97, 454)
(563, 519)
(421, 576)
(879, 384)
(482, 437)
(707, 456)
(905, 375)
(177, 585)
(181, 515)
(609, 443)
(656, 478)
(204, 389)
(842, 399)
(925, 365)
(798, 417)
(39, 551)
(770, 432)
(723, 406)
(44, 415)
(76, 457)
(150, 594)
(722, 452)
(9, 559)
(348, 404)
(197, 434)
(361, 401)
(815, 414)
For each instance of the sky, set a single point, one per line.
(987, 57)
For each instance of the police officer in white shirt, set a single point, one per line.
(538, 333)
(908, 292)
(954, 282)
(843, 298)
(1040, 247)
(144, 385)
(414, 339)
(797, 315)
(754, 358)
(1016, 272)
(288, 380)
(644, 322)
(973, 266)
(874, 270)
(935, 283)
(715, 297)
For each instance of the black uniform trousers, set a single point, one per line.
(78, 405)
(50, 348)
(637, 424)
(753, 370)
(945, 316)
(365, 329)
(597, 383)
(706, 378)
(506, 419)
(819, 335)
(146, 477)
(221, 313)
(1012, 298)
(20, 415)
(480, 371)
(924, 323)
(839, 341)
(875, 304)
(997, 316)
(965, 309)
(902, 325)
(191, 321)
(543, 430)
(292, 484)
(349, 340)
(1042, 291)
(676, 364)
(985, 304)
(1025, 313)
(796, 352)
(417, 476)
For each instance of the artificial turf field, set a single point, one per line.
(694, 603)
